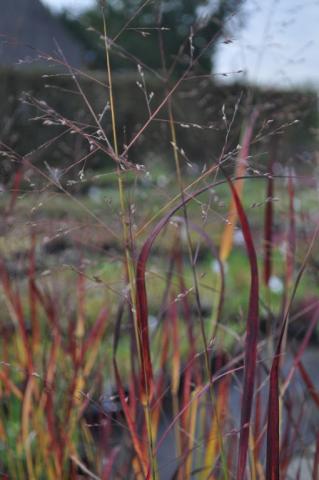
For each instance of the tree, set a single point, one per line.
(177, 30)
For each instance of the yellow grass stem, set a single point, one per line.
(240, 171)
(45, 455)
(213, 446)
(191, 432)
(214, 315)
(252, 459)
(124, 220)
(25, 425)
(194, 274)
(151, 442)
(228, 233)
(128, 256)
(139, 475)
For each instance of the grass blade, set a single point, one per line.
(131, 425)
(141, 295)
(309, 384)
(241, 165)
(272, 467)
(251, 337)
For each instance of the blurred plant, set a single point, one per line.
(134, 27)
(98, 395)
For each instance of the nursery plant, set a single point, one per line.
(157, 325)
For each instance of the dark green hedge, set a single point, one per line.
(198, 109)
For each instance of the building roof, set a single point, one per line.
(27, 28)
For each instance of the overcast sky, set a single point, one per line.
(278, 44)
(72, 5)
